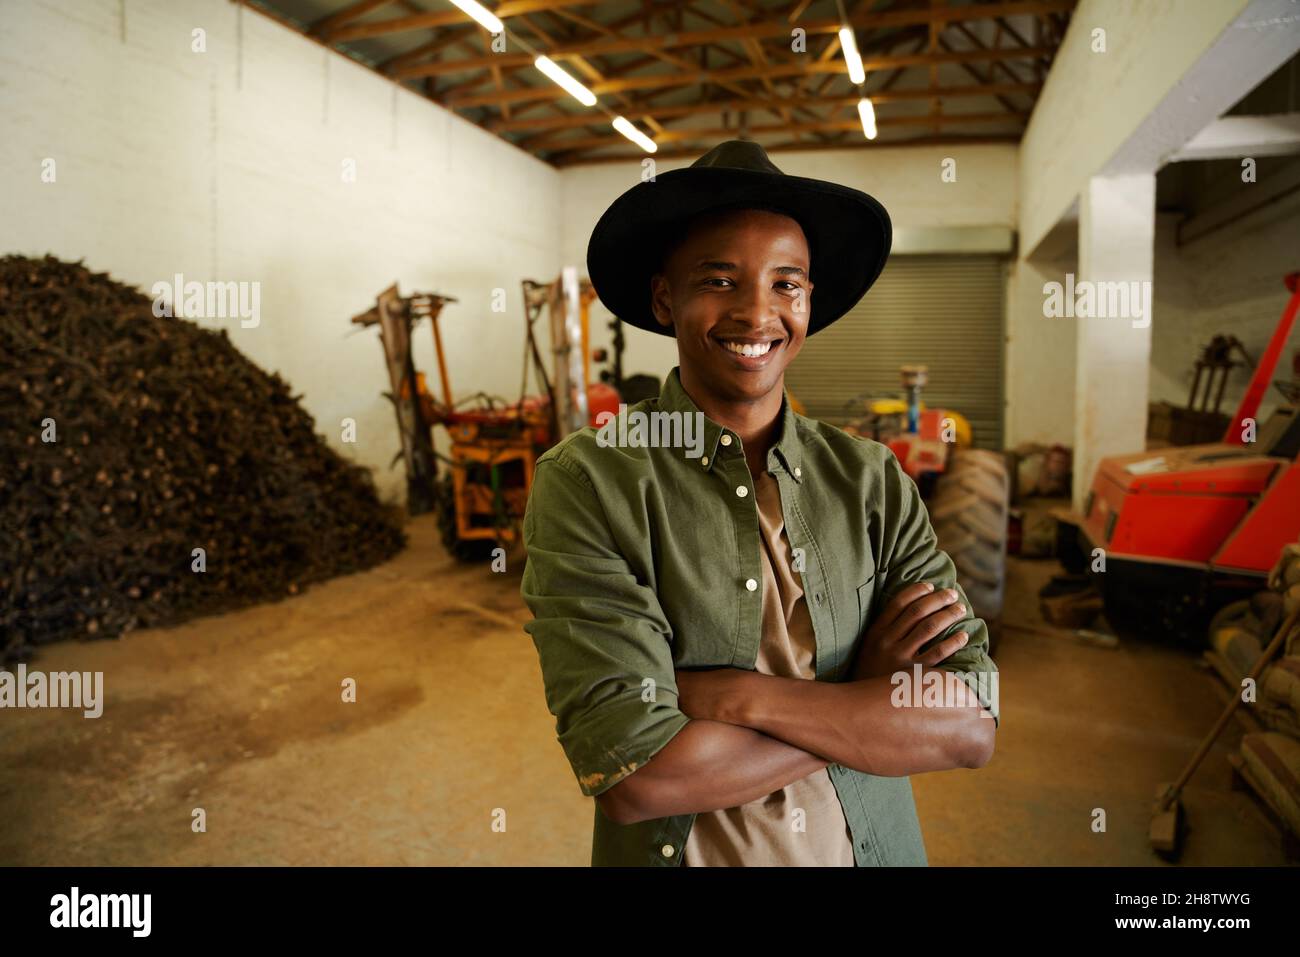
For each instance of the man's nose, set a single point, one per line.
(755, 305)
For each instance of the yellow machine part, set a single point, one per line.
(889, 407)
(899, 407)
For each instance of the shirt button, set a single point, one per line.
(751, 584)
(667, 850)
(797, 472)
(705, 461)
(726, 439)
(741, 491)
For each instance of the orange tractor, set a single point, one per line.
(1173, 535)
(480, 500)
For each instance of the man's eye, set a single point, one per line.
(717, 279)
(789, 284)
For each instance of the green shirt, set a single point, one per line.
(638, 563)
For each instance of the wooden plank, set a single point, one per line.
(757, 103)
(667, 80)
(696, 38)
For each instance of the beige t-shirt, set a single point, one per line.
(768, 831)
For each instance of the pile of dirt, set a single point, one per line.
(130, 442)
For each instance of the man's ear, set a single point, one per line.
(660, 300)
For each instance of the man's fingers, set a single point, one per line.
(951, 644)
(936, 623)
(901, 601)
(918, 611)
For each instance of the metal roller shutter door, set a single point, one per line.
(944, 312)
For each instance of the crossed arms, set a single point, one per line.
(753, 734)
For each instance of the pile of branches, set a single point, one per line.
(128, 442)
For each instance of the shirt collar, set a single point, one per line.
(785, 451)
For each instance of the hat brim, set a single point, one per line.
(849, 236)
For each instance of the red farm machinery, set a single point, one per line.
(1172, 535)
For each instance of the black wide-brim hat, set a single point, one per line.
(848, 232)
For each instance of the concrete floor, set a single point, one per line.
(242, 716)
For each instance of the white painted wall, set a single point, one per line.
(1226, 282)
(1092, 102)
(1040, 357)
(1090, 105)
(1117, 231)
(226, 165)
(1169, 68)
(905, 180)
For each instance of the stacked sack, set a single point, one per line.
(1240, 633)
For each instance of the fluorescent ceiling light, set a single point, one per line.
(868, 114)
(850, 47)
(481, 14)
(635, 135)
(574, 88)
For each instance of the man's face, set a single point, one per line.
(737, 283)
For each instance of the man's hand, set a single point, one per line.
(916, 614)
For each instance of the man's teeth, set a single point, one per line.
(745, 349)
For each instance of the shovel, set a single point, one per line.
(1167, 823)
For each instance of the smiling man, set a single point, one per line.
(721, 635)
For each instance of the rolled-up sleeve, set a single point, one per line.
(601, 635)
(915, 556)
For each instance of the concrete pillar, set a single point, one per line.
(1039, 357)
(1112, 358)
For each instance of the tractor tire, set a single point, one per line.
(465, 550)
(968, 510)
